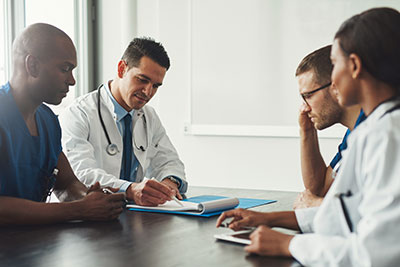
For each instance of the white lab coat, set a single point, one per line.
(371, 172)
(84, 143)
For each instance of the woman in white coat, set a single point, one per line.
(358, 221)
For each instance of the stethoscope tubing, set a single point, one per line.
(112, 148)
(101, 117)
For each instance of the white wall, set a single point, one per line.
(224, 161)
(240, 162)
(115, 24)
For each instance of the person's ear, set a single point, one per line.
(32, 65)
(334, 91)
(355, 65)
(122, 68)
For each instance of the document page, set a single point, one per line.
(204, 207)
(172, 206)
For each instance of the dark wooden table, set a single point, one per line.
(137, 239)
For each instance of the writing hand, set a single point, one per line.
(149, 193)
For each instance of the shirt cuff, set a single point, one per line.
(124, 186)
(305, 218)
(296, 248)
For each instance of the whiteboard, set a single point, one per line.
(244, 54)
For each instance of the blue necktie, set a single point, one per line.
(127, 152)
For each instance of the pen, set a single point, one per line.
(177, 201)
(173, 197)
(107, 191)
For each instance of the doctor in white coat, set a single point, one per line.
(99, 128)
(358, 221)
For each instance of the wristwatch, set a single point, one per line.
(174, 180)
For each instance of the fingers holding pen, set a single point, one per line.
(149, 193)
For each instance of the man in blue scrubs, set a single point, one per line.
(32, 162)
(320, 110)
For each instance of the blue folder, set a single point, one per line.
(244, 203)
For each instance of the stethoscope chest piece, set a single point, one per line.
(112, 149)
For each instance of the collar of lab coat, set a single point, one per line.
(380, 110)
(373, 118)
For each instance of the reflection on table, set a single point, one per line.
(138, 239)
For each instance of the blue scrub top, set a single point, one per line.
(27, 162)
(343, 145)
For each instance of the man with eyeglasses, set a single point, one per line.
(320, 110)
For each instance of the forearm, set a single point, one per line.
(284, 219)
(22, 212)
(67, 187)
(313, 167)
(75, 190)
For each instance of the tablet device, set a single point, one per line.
(241, 237)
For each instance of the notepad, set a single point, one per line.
(204, 206)
(200, 208)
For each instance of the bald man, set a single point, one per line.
(32, 162)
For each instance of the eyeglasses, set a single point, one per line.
(307, 95)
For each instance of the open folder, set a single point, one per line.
(204, 206)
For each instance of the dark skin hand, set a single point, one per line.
(264, 240)
(267, 242)
(95, 206)
(102, 206)
(242, 218)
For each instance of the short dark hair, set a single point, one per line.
(374, 35)
(145, 46)
(320, 63)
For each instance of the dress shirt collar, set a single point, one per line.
(119, 111)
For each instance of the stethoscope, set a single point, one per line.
(112, 149)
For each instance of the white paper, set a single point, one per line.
(172, 206)
(205, 207)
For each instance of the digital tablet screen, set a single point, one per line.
(241, 237)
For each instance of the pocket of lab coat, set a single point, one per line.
(353, 203)
(152, 151)
(150, 157)
(347, 206)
